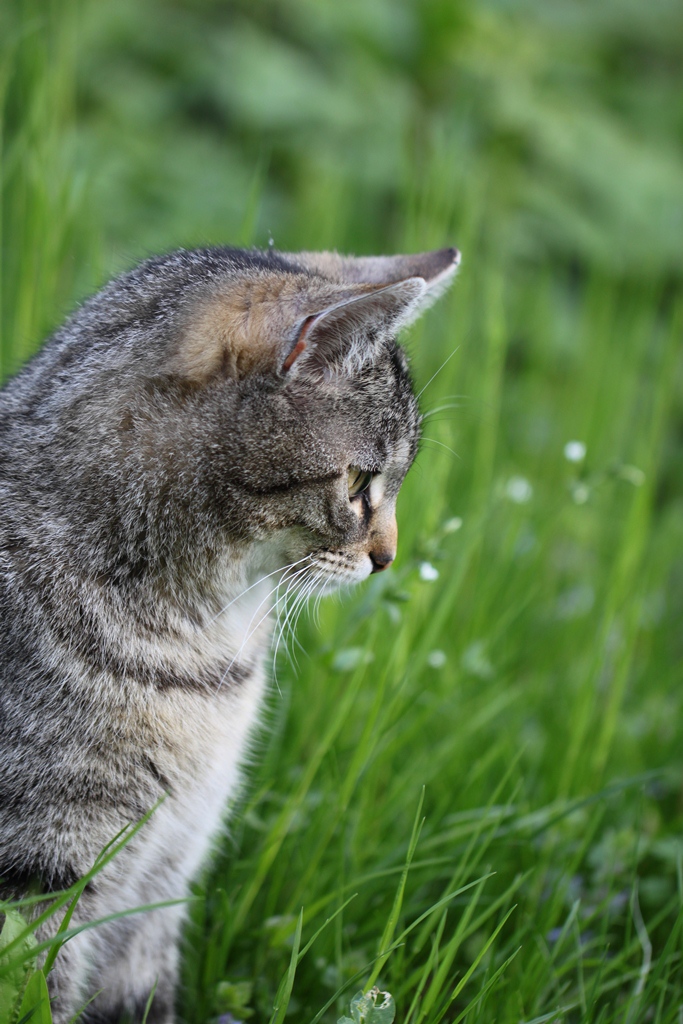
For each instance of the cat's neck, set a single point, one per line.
(203, 631)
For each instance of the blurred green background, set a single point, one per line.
(523, 659)
(553, 131)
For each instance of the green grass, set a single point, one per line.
(469, 789)
(543, 752)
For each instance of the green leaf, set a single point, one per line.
(150, 1000)
(390, 927)
(234, 997)
(284, 992)
(35, 1006)
(19, 937)
(14, 975)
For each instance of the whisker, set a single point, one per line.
(441, 408)
(434, 375)
(316, 609)
(433, 440)
(250, 632)
(247, 638)
(299, 605)
(308, 592)
(283, 568)
(242, 646)
(289, 624)
(282, 624)
(286, 632)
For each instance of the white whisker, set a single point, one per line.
(287, 630)
(432, 440)
(307, 593)
(293, 618)
(282, 568)
(441, 408)
(434, 375)
(283, 622)
(250, 632)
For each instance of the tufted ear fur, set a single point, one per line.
(346, 333)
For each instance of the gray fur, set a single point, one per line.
(136, 502)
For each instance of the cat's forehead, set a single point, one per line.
(376, 410)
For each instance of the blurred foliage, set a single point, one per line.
(522, 660)
(570, 120)
(322, 123)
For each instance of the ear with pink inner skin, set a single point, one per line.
(394, 291)
(349, 328)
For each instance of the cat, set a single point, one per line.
(211, 429)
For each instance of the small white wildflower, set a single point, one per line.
(634, 475)
(575, 451)
(378, 1007)
(428, 572)
(452, 525)
(350, 658)
(519, 490)
(476, 661)
(394, 612)
(436, 659)
(580, 494)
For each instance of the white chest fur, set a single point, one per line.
(204, 734)
(198, 739)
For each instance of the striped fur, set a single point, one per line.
(179, 442)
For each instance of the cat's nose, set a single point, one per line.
(381, 560)
(383, 539)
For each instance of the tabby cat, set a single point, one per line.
(209, 427)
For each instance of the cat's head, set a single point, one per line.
(262, 397)
(327, 423)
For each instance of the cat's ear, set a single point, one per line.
(347, 331)
(394, 291)
(437, 269)
(335, 312)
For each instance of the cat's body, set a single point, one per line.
(184, 446)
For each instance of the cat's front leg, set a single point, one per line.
(112, 971)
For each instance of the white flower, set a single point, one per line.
(428, 572)
(350, 658)
(476, 661)
(519, 490)
(436, 659)
(452, 525)
(575, 451)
